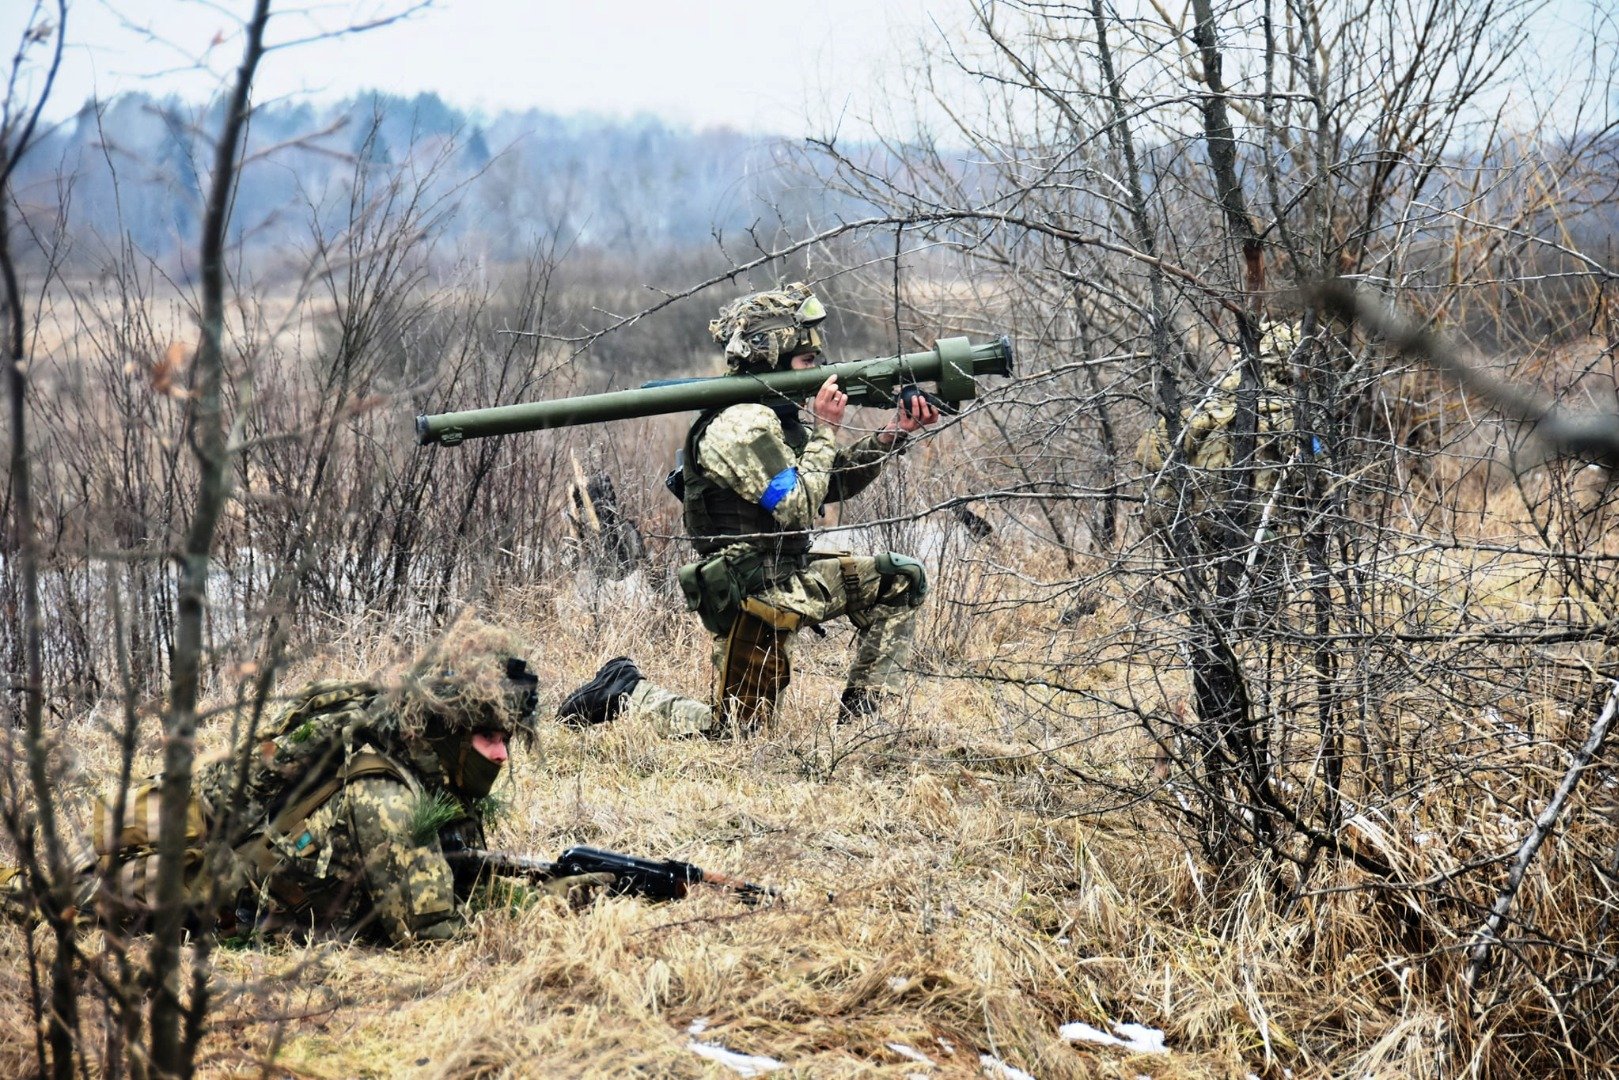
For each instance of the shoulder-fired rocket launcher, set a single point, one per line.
(952, 366)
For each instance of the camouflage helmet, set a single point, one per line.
(764, 330)
(1277, 341)
(474, 678)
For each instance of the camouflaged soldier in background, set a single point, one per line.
(1208, 445)
(754, 477)
(339, 819)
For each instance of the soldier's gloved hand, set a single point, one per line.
(579, 889)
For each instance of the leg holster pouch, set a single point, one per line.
(755, 667)
(714, 587)
(898, 571)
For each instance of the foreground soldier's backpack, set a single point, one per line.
(304, 745)
(297, 767)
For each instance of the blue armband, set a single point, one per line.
(781, 485)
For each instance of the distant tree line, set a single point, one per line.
(132, 171)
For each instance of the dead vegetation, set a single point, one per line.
(1313, 782)
(961, 879)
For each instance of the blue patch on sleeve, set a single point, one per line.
(781, 485)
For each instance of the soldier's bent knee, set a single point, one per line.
(902, 579)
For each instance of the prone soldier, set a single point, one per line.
(341, 820)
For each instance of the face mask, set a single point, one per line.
(467, 771)
(788, 415)
(478, 773)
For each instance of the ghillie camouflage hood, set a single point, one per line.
(473, 678)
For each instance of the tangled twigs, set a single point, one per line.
(1593, 436)
(1489, 934)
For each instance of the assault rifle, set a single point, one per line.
(650, 879)
(953, 366)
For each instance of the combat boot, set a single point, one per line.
(859, 704)
(602, 698)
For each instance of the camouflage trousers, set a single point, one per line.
(884, 622)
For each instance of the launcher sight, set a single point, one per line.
(952, 367)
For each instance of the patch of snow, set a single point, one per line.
(945, 1044)
(1079, 1031)
(697, 1026)
(1141, 1038)
(908, 1052)
(742, 1064)
(1136, 1038)
(994, 1066)
(898, 984)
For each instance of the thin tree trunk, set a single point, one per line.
(170, 1045)
(1489, 935)
(62, 1023)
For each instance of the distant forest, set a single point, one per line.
(131, 171)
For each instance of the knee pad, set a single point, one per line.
(901, 572)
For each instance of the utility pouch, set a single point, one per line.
(140, 826)
(755, 665)
(715, 587)
(129, 857)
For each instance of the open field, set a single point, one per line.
(960, 880)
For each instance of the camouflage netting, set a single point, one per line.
(461, 680)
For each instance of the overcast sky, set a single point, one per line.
(759, 65)
(767, 66)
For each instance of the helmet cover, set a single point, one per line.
(472, 679)
(762, 331)
(1277, 341)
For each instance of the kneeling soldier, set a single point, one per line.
(752, 479)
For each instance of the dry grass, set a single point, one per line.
(940, 894)
(1000, 858)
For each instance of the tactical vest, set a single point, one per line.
(714, 513)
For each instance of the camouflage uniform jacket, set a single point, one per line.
(1209, 446)
(369, 858)
(772, 462)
